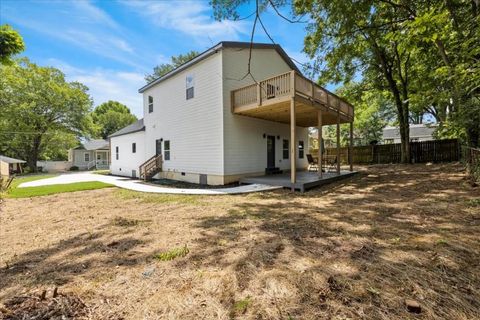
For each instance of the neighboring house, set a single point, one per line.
(209, 122)
(418, 132)
(9, 166)
(90, 155)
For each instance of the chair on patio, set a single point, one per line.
(330, 162)
(312, 164)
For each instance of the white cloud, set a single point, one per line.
(89, 12)
(191, 18)
(107, 84)
(88, 28)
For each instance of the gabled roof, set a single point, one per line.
(416, 131)
(134, 127)
(10, 160)
(94, 145)
(214, 49)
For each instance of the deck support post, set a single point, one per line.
(338, 141)
(320, 138)
(293, 145)
(350, 147)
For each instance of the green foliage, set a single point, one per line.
(420, 55)
(110, 117)
(172, 254)
(41, 112)
(11, 43)
(373, 111)
(57, 188)
(164, 68)
(241, 306)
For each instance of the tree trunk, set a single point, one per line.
(402, 107)
(32, 158)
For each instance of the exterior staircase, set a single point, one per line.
(151, 167)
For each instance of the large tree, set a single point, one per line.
(405, 48)
(38, 107)
(11, 43)
(110, 117)
(164, 68)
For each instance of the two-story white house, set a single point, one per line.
(210, 121)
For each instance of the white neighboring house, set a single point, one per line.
(92, 154)
(128, 150)
(418, 133)
(208, 122)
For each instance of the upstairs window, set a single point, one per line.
(134, 147)
(301, 149)
(166, 146)
(189, 81)
(285, 149)
(116, 153)
(150, 104)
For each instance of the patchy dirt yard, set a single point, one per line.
(352, 250)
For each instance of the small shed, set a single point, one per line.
(9, 166)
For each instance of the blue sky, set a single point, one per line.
(110, 45)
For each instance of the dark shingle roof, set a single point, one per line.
(214, 49)
(134, 127)
(10, 160)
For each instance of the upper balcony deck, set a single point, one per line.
(270, 99)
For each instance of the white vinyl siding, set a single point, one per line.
(244, 145)
(193, 126)
(127, 161)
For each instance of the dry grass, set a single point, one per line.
(352, 250)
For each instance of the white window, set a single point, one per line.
(134, 147)
(301, 149)
(190, 83)
(150, 104)
(286, 150)
(116, 152)
(166, 145)
(86, 157)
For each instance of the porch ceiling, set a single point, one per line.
(306, 114)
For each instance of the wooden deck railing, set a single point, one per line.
(280, 86)
(151, 167)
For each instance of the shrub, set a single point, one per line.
(172, 254)
(73, 168)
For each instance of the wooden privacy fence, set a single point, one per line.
(425, 151)
(471, 158)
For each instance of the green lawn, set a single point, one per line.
(15, 192)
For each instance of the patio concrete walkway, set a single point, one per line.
(137, 185)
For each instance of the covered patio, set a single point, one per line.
(293, 99)
(304, 180)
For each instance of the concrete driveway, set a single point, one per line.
(137, 185)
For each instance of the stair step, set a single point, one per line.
(269, 171)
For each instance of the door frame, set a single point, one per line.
(272, 153)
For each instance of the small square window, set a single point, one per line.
(134, 147)
(150, 104)
(166, 146)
